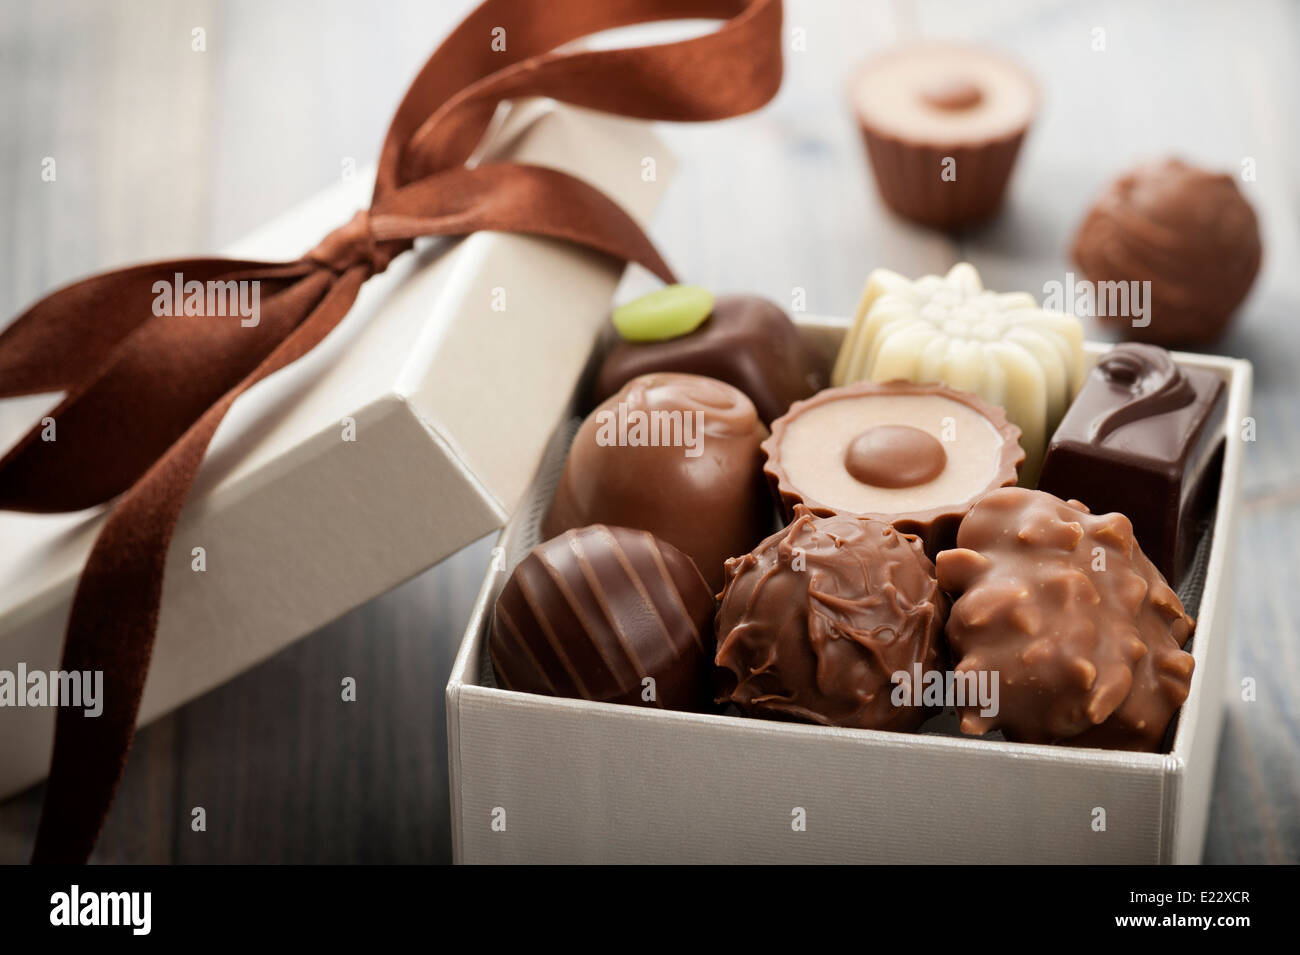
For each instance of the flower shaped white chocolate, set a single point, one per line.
(950, 329)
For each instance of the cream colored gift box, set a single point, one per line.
(541, 779)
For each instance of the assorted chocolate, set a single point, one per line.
(950, 329)
(817, 620)
(676, 455)
(607, 614)
(915, 456)
(1187, 231)
(945, 395)
(1081, 628)
(746, 341)
(1144, 438)
(943, 125)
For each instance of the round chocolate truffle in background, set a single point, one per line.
(676, 455)
(943, 125)
(917, 456)
(1084, 634)
(1190, 233)
(746, 341)
(816, 621)
(607, 614)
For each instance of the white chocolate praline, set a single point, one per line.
(950, 329)
(814, 443)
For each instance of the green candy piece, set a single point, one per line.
(670, 312)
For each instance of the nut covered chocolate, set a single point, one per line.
(816, 621)
(607, 614)
(1085, 635)
(676, 455)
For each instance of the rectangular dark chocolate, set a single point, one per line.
(1145, 438)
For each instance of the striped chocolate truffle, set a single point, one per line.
(607, 614)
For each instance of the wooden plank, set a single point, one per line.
(162, 150)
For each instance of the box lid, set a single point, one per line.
(450, 372)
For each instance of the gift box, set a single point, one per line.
(411, 431)
(545, 779)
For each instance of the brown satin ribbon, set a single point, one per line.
(145, 393)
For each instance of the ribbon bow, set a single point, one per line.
(145, 393)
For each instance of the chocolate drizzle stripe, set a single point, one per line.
(521, 644)
(616, 624)
(672, 593)
(599, 602)
(635, 665)
(538, 607)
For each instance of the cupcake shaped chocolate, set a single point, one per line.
(943, 125)
(675, 455)
(1188, 232)
(914, 456)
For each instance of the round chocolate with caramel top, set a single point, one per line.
(607, 614)
(826, 620)
(915, 455)
(676, 455)
(1081, 629)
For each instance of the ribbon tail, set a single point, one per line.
(134, 397)
(115, 610)
(98, 313)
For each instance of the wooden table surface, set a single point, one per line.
(162, 150)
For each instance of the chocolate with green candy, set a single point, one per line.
(747, 341)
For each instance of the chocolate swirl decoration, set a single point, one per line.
(1153, 380)
(98, 341)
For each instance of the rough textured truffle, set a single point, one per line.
(817, 619)
(1190, 233)
(1083, 631)
(678, 456)
(595, 612)
(748, 342)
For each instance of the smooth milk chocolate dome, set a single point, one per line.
(676, 455)
(1190, 233)
(817, 620)
(607, 614)
(1085, 635)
